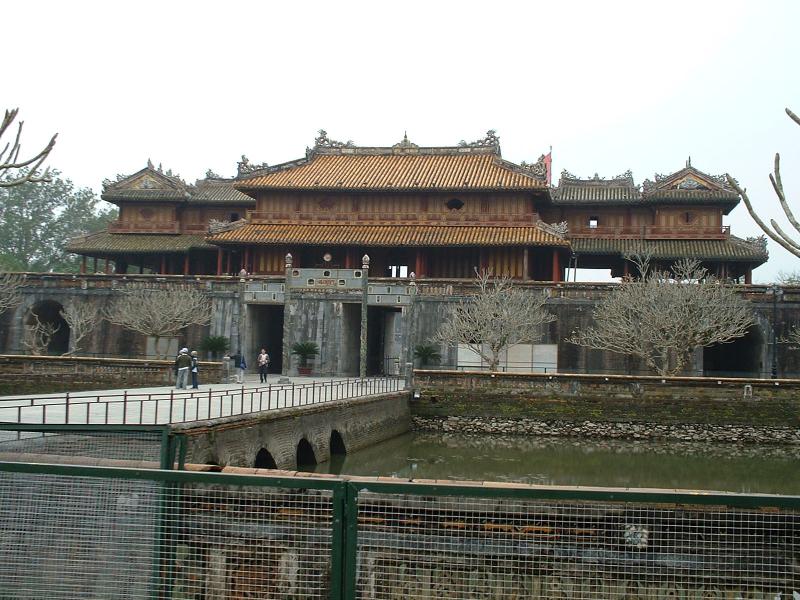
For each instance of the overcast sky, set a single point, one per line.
(610, 86)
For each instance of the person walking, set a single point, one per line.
(183, 363)
(194, 369)
(263, 363)
(240, 364)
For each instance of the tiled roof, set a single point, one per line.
(122, 243)
(731, 249)
(444, 171)
(574, 191)
(216, 191)
(389, 235)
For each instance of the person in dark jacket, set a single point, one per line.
(183, 363)
(194, 369)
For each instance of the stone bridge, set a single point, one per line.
(307, 435)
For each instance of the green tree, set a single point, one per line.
(37, 220)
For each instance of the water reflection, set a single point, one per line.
(570, 461)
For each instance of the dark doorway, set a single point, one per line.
(46, 316)
(267, 332)
(306, 459)
(265, 460)
(349, 354)
(739, 358)
(382, 351)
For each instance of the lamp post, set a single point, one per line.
(776, 292)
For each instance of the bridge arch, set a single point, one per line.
(265, 460)
(46, 331)
(337, 445)
(305, 454)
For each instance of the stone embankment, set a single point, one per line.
(685, 409)
(605, 430)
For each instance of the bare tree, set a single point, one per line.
(13, 169)
(38, 335)
(160, 313)
(776, 233)
(82, 318)
(661, 317)
(10, 296)
(496, 317)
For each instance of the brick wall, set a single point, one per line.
(32, 374)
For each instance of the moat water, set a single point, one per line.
(570, 461)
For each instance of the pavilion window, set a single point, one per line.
(454, 204)
(234, 217)
(688, 217)
(593, 222)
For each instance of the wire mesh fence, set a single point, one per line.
(58, 443)
(75, 532)
(472, 547)
(66, 535)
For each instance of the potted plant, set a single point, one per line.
(426, 354)
(214, 345)
(305, 351)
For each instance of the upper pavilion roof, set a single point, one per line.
(683, 187)
(404, 166)
(152, 184)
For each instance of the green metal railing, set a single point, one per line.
(78, 531)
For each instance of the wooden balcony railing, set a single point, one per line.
(653, 232)
(125, 227)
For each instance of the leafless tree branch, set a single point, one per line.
(10, 296)
(496, 317)
(663, 316)
(38, 336)
(16, 171)
(82, 318)
(775, 233)
(160, 312)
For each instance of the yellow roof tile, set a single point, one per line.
(389, 235)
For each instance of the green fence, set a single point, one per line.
(153, 446)
(95, 532)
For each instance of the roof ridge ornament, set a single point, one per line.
(491, 140)
(558, 229)
(243, 167)
(323, 141)
(537, 169)
(759, 242)
(405, 143)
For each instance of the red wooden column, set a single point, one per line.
(83, 265)
(748, 276)
(246, 265)
(219, 261)
(348, 259)
(419, 263)
(108, 266)
(163, 264)
(94, 264)
(556, 266)
(186, 264)
(228, 263)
